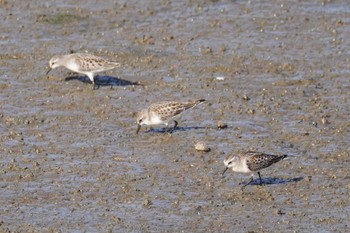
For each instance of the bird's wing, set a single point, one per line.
(89, 62)
(168, 109)
(258, 160)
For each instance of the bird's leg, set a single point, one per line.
(92, 79)
(250, 181)
(171, 131)
(166, 130)
(95, 86)
(260, 178)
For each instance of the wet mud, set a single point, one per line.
(275, 75)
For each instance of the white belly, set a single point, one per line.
(243, 168)
(73, 67)
(155, 120)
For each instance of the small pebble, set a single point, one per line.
(220, 78)
(251, 111)
(221, 125)
(279, 212)
(202, 146)
(324, 121)
(147, 203)
(245, 97)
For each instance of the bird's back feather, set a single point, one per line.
(257, 160)
(88, 62)
(170, 109)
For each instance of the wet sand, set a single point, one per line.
(276, 72)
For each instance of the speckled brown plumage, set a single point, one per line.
(163, 112)
(169, 109)
(82, 63)
(88, 62)
(251, 162)
(257, 160)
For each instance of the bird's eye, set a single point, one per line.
(229, 162)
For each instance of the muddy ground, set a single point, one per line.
(276, 72)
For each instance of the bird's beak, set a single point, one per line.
(138, 128)
(48, 71)
(224, 171)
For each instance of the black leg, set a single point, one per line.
(260, 178)
(95, 86)
(250, 181)
(167, 130)
(175, 124)
(171, 131)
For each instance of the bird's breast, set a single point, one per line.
(154, 119)
(73, 66)
(241, 167)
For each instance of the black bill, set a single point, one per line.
(224, 171)
(138, 128)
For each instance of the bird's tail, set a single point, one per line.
(280, 157)
(284, 156)
(199, 101)
(193, 103)
(287, 157)
(113, 64)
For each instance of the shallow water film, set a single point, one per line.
(275, 76)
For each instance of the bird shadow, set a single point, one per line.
(164, 130)
(102, 80)
(272, 181)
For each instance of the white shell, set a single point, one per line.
(202, 146)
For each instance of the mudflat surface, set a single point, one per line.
(276, 72)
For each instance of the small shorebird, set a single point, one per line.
(163, 113)
(82, 63)
(250, 162)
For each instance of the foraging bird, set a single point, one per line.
(250, 162)
(82, 63)
(163, 113)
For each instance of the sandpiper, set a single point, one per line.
(82, 63)
(250, 162)
(163, 113)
